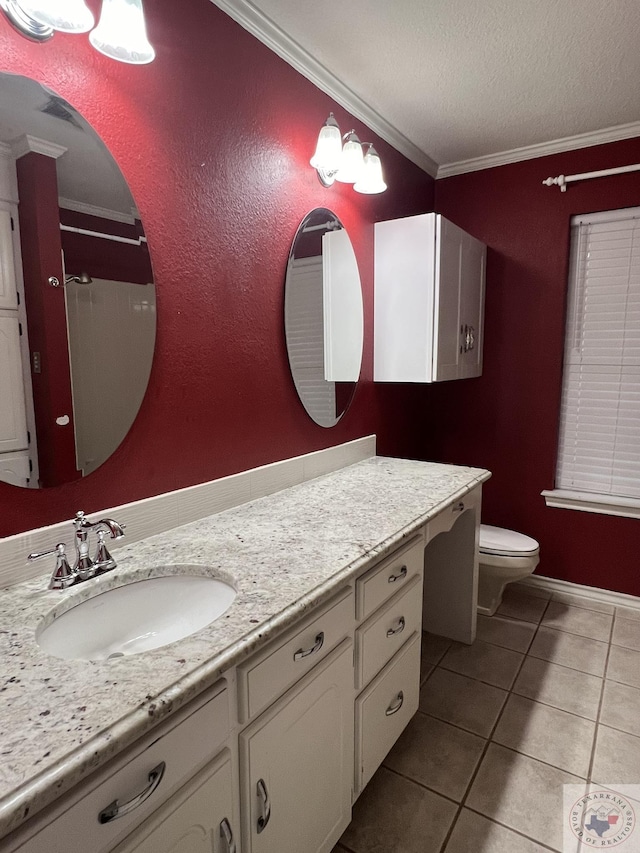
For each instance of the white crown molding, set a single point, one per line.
(6, 151)
(93, 210)
(530, 152)
(263, 28)
(24, 144)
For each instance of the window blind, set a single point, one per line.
(599, 446)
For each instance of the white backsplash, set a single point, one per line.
(156, 514)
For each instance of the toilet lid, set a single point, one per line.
(508, 543)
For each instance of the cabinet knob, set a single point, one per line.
(304, 653)
(227, 834)
(263, 796)
(115, 810)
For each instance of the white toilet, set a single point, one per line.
(504, 556)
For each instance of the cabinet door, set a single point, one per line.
(472, 284)
(198, 819)
(13, 419)
(297, 763)
(446, 340)
(8, 294)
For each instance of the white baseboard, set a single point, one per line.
(606, 596)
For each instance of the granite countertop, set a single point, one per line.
(285, 553)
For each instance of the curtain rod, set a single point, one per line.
(562, 180)
(115, 237)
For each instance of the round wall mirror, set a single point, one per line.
(77, 299)
(323, 316)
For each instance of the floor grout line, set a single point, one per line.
(594, 745)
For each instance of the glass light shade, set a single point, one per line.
(122, 33)
(328, 154)
(352, 160)
(68, 16)
(371, 181)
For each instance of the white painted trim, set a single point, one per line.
(160, 513)
(93, 210)
(607, 596)
(26, 143)
(588, 502)
(264, 29)
(543, 149)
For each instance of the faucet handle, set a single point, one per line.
(103, 561)
(63, 575)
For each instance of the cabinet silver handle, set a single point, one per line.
(398, 629)
(472, 337)
(401, 574)
(115, 810)
(395, 706)
(459, 507)
(304, 653)
(227, 834)
(263, 795)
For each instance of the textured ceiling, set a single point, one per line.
(465, 79)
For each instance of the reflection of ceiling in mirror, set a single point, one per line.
(87, 174)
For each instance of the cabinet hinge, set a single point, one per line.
(30, 467)
(29, 441)
(20, 329)
(13, 227)
(18, 296)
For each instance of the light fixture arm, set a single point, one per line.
(24, 23)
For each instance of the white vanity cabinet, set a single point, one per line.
(296, 756)
(387, 655)
(148, 780)
(429, 300)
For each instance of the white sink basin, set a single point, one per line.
(136, 617)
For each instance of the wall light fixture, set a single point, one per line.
(121, 33)
(341, 158)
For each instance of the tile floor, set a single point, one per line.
(548, 694)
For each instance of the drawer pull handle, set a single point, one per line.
(115, 810)
(459, 507)
(304, 653)
(263, 795)
(395, 706)
(398, 629)
(400, 576)
(227, 834)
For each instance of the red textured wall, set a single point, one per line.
(214, 138)
(507, 420)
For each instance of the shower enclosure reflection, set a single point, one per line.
(77, 299)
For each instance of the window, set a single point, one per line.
(599, 445)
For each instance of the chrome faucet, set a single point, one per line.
(84, 567)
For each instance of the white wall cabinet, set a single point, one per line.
(429, 300)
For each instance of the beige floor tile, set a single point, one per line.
(433, 647)
(437, 755)
(486, 662)
(467, 703)
(520, 605)
(570, 650)
(621, 707)
(624, 666)
(582, 601)
(575, 620)
(394, 815)
(629, 613)
(547, 734)
(522, 793)
(626, 632)
(508, 633)
(476, 834)
(425, 671)
(567, 689)
(617, 758)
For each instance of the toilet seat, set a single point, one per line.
(506, 543)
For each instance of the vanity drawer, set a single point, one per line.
(266, 676)
(380, 637)
(184, 749)
(384, 709)
(385, 579)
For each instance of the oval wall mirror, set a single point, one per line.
(323, 316)
(77, 299)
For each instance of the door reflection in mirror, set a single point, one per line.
(74, 379)
(323, 316)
